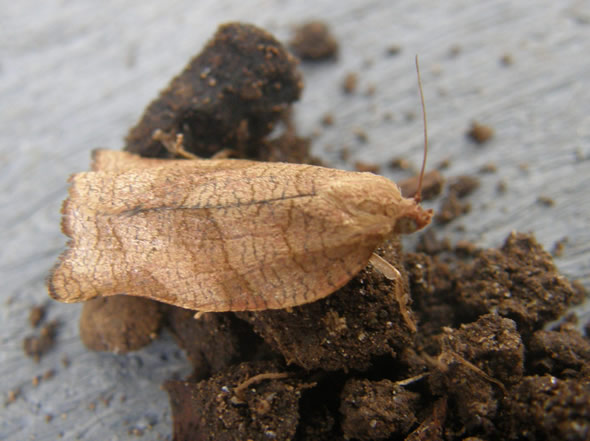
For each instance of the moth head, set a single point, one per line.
(412, 217)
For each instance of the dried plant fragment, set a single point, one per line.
(223, 235)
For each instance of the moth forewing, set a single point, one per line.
(238, 235)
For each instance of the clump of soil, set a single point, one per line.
(119, 324)
(314, 41)
(35, 346)
(480, 133)
(231, 95)
(452, 206)
(442, 356)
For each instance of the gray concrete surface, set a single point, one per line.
(75, 75)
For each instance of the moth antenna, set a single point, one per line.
(418, 195)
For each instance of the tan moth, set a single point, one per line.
(224, 235)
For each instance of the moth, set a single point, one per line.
(222, 235)
(225, 234)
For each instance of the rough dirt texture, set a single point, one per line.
(119, 324)
(230, 95)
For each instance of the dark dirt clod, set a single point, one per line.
(211, 409)
(519, 281)
(480, 133)
(491, 343)
(463, 186)
(376, 409)
(214, 341)
(35, 346)
(362, 166)
(432, 428)
(344, 330)
(36, 315)
(451, 208)
(314, 41)
(547, 408)
(428, 243)
(229, 96)
(350, 82)
(119, 324)
(561, 353)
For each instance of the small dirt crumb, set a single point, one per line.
(451, 208)
(560, 353)
(362, 166)
(212, 410)
(455, 50)
(465, 248)
(464, 185)
(327, 119)
(12, 396)
(48, 418)
(376, 409)
(444, 164)
(432, 185)
(507, 60)
(546, 201)
(490, 167)
(344, 153)
(431, 245)
(400, 164)
(36, 346)
(559, 246)
(314, 41)
(480, 133)
(393, 49)
(350, 82)
(361, 134)
(501, 186)
(36, 315)
(548, 408)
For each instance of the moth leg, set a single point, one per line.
(390, 272)
(175, 145)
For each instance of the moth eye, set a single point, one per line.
(406, 225)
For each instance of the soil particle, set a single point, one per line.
(432, 427)
(376, 409)
(545, 201)
(480, 133)
(119, 324)
(518, 281)
(213, 410)
(35, 346)
(463, 186)
(491, 343)
(362, 166)
(561, 353)
(451, 208)
(314, 41)
(350, 82)
(36, 315)
(545, 407)
(428, 243)
(214, 341)
(239, 84)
